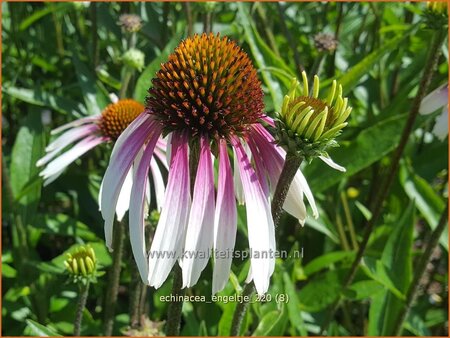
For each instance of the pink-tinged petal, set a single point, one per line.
(435, 100)
(76, 123)
(64, 140)
(259, 222)
(58, 164)
(273, 159)
(123, 201)
(138, 207)
(161, 155)
(200, 229)
(332, 164)
(268, 120)
(225, 222)
(72, 135)
(441, 126)
(125, 150)
(237, 177)
(260, 166)
(170, 233)
(158, 183)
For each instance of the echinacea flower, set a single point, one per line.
(437, 99)
(208, 100)
(79, 136)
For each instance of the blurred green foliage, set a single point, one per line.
(63, 60)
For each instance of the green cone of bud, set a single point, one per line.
(134, 58)
(82, 263)
(435, 15)
(308, 124)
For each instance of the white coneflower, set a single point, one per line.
(79, 136)
(437, 99)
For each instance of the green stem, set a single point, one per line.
(175, 308)
(80, 308)
(421, 268)
(348, 218)
(125, 82)
(114, 278)
(241, 310)
(135, 296)
(290, 168)
(432, 60)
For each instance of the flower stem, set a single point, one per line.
(421, 267)
(113, 279)
(175, 308)
(431, 63)
(290, 168)
(240, 311)
(80, 308)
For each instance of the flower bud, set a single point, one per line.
(307, 123)
(134, 58)
(435, 15)
(81, 263)
(130, 22)
(325, 43)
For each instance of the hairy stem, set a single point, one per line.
(80, 308)
(114, 279)
(432, 60)
(175, 308)
(421, 267)
(241, 310)
(290, 168)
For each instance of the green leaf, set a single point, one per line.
(274, 87)
(145, 80)
(293, 306)
(27, 149)
(430, 204)
(366, 289)
(397, 261)
(43, 99)
(271, 324)
(8, 271)
(41, 330)
(50, 8)
(369, 146)
(352, 77)
(326, 261)
(321, 291)
(93, 97)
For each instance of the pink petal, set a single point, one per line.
(200, 229)
(124, 153)
(137, 208)
(259, 222)
(76, 123)
(170, 233)
(225, 221)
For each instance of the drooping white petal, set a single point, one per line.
(225, 222)
(138, 207)
(123, 201)
(440, 128)
(433, 101)
(170, 233)
(158, 184)
(58, 164)
(259, 222)
(273, 159)
(332, 164)
(200, 229)
(123, 154)
(75, 123)
(113, 97)
(64, 140)
(237, 177)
